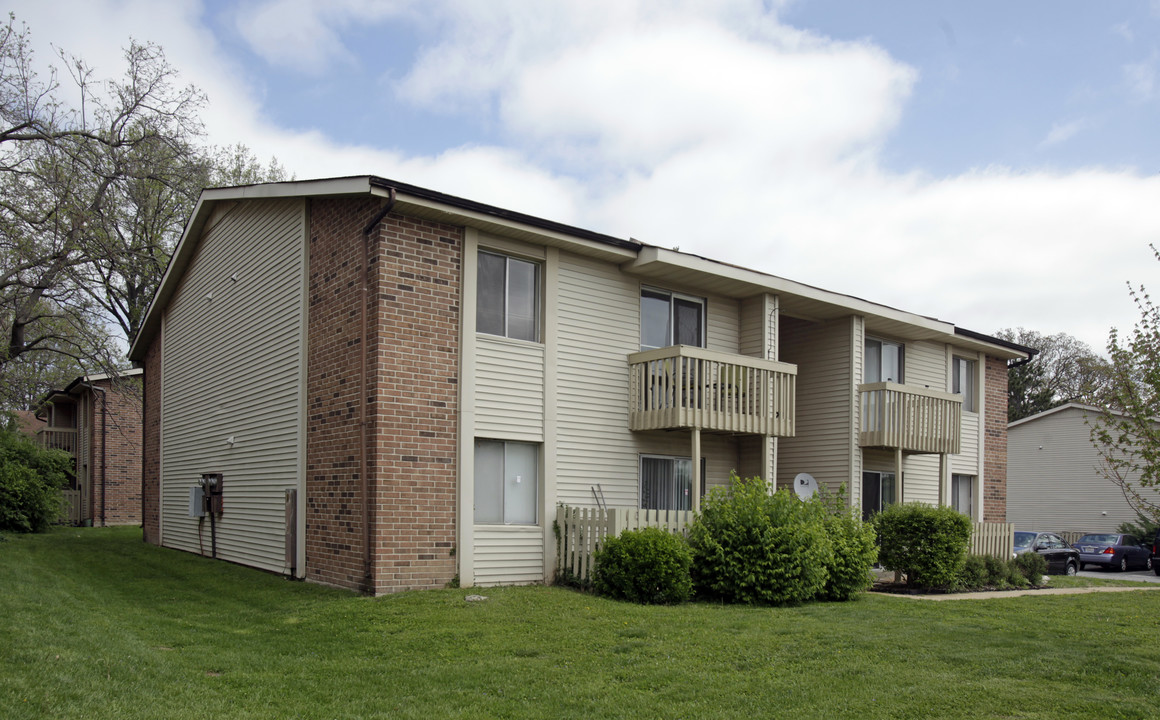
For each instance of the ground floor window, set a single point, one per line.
(962, 493)
(666, 482)
(877, 492)
(507, 482)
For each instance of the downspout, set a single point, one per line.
(104, 438)
(364, 481)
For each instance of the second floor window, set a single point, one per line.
(507, 297)
(963, 382)
(668, 318)
(883, 361)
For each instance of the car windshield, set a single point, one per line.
(1024, 539)
(1098, 539)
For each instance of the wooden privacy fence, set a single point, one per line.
(71, 507)
(997, 539)
(582, 530)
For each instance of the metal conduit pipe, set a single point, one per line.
(364, 481)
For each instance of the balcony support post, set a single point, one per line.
(943, 491)
(696, 453)
(898, 474)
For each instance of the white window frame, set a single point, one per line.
(672, 479)
(965, 367)
(970, 481)
(672, 295)
(537, 299)
(498, 485)
(869, 512)
(901, 359)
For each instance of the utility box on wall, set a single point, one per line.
(196, 502)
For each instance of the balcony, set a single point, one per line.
(689, 387)
(911, 419)
(55, 438)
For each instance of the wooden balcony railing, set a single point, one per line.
(54, 438)
(687, 387)
(913, 419)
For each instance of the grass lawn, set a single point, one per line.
(94, 623)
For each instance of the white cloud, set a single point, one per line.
(1140, 78)
(1061, 133)
(306, 35)
(706, 125)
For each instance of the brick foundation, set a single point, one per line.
(995, 442)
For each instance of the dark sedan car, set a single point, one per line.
(1113, 551)
(1060, 557)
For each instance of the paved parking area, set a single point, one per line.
(1134, 575)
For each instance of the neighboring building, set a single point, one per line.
(97, 420)
(421, 422)
(27, 423)
(1054, 478)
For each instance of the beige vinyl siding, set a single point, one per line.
(751, 338)
(926, 365)
(1059, 487)
(231, 369)
(598, 327)
(967, 461)
(723, 327)
(857, 367)
(823, 353)
(920, 483)
(508, 555)
(509, 389)
(749, 456)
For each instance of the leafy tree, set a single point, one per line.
(1065, 370)
(61, 169)
(1126, 433)
(92, 200)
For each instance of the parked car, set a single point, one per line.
(1060, 557)
(1114, 551)
(1156, 553)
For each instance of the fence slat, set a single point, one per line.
(583, 530)
(996, 539)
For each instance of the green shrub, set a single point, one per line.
(928, 544)
(854, 549)
(1032, 566)
(755, 547)
(644, 566)
(30, 482)
(1015, 576)
(997, 571)
(974, 574)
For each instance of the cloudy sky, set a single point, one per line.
(993, 164)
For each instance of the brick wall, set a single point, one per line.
(995, 442)
(412, 364)
(335, 535)
(151, 446)
(116, 452)
(416, 370)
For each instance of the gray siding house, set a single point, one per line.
(1054, 481)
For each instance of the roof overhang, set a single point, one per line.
(648, 262)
